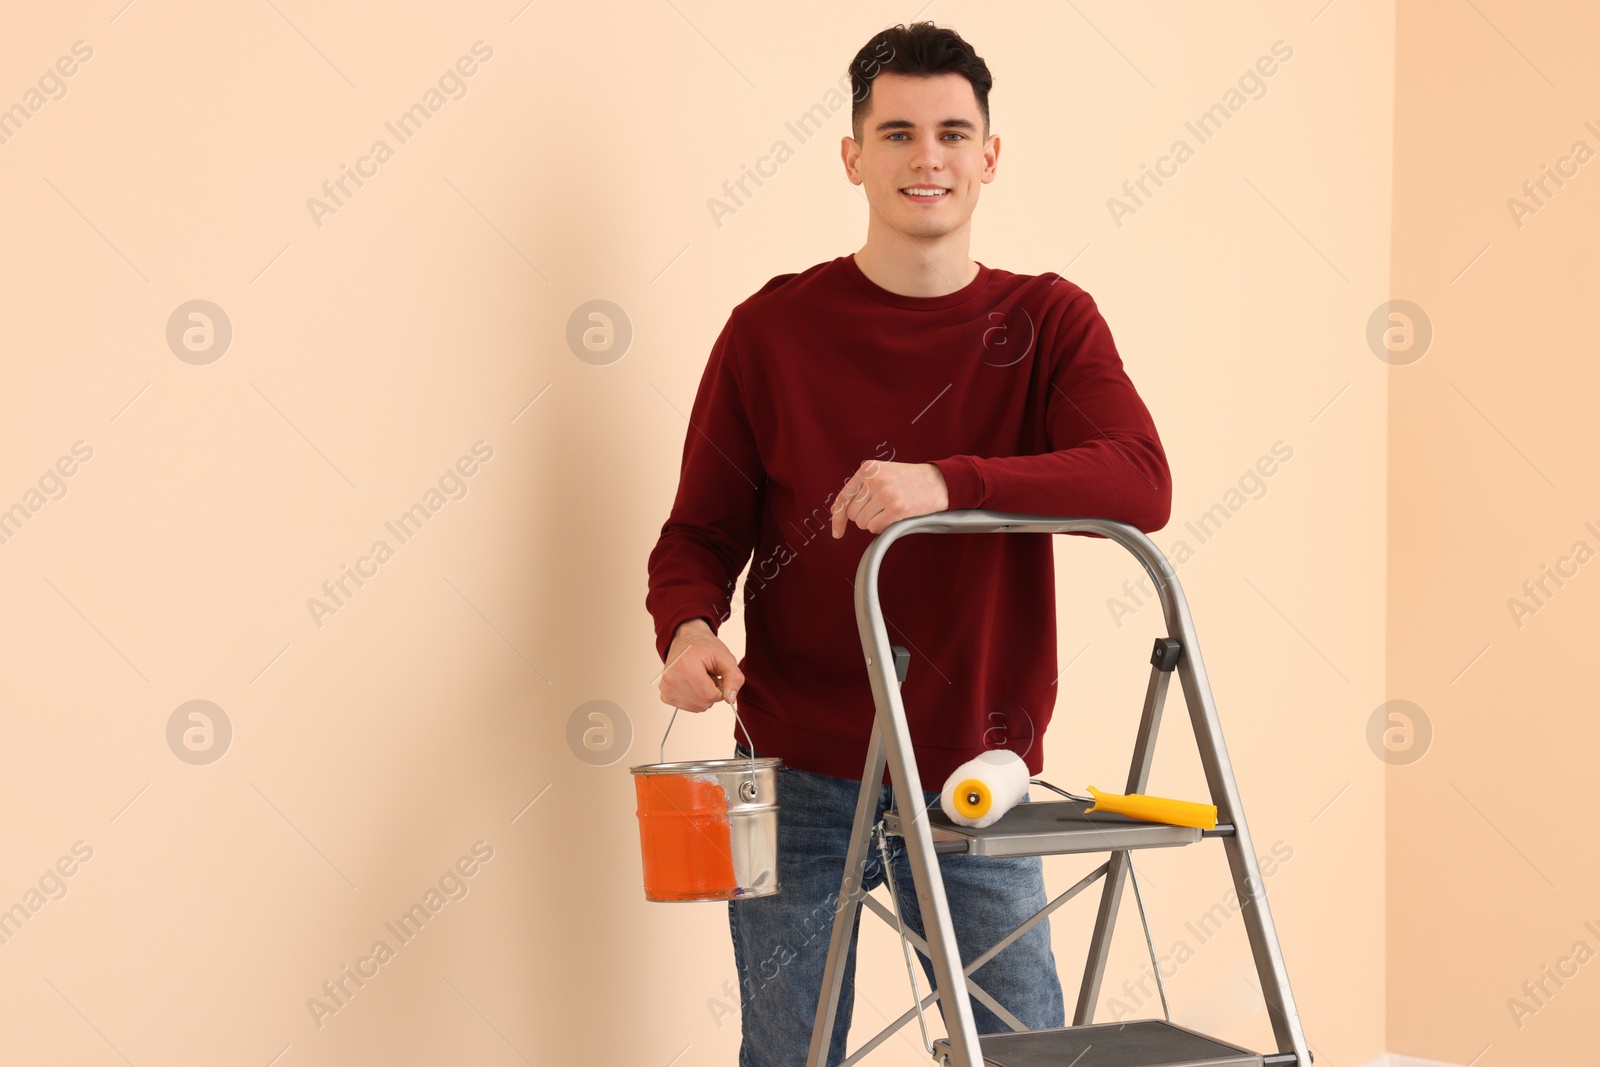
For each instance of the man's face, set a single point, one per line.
(922, 132)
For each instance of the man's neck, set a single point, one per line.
(906, 268)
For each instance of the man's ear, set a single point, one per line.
(991, 160)
(850, 153)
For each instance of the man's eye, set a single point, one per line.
(954, 134)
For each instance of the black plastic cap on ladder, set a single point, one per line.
(902, 662)
(1164, 657)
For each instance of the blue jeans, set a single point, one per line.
(780, 943)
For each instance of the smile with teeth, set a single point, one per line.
(925, 193)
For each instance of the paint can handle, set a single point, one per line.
(749, 789)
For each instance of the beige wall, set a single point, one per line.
(1491, 874)
(370, 352)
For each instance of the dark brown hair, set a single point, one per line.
(920, 49)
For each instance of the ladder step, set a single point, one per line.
(1049, 828)
(1139, 1043)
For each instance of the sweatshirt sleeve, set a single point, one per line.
(1106, 460)
(711, 531)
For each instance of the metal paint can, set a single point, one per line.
(708, 829)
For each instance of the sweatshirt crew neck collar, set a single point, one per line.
(859, 279)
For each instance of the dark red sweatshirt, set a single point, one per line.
(1013, 388)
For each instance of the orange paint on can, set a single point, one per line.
(685, 833)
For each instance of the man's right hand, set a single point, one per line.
(699, 669)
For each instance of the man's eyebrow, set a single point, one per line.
(907, 124)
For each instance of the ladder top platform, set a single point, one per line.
(1049, 828)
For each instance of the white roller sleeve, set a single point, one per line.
(1003, 773)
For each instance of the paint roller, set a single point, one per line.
(981, 790)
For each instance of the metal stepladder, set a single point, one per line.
(1049, 827)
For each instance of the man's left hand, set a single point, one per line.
(880, 493)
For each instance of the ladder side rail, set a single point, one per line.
(1224, 794)
(1099, 954)
(1248, 884)
(845, 907)
(1246, 871)
(1144, 745)
(891, 727)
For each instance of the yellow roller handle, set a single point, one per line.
(1156, 809)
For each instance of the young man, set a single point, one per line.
(904, 380)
